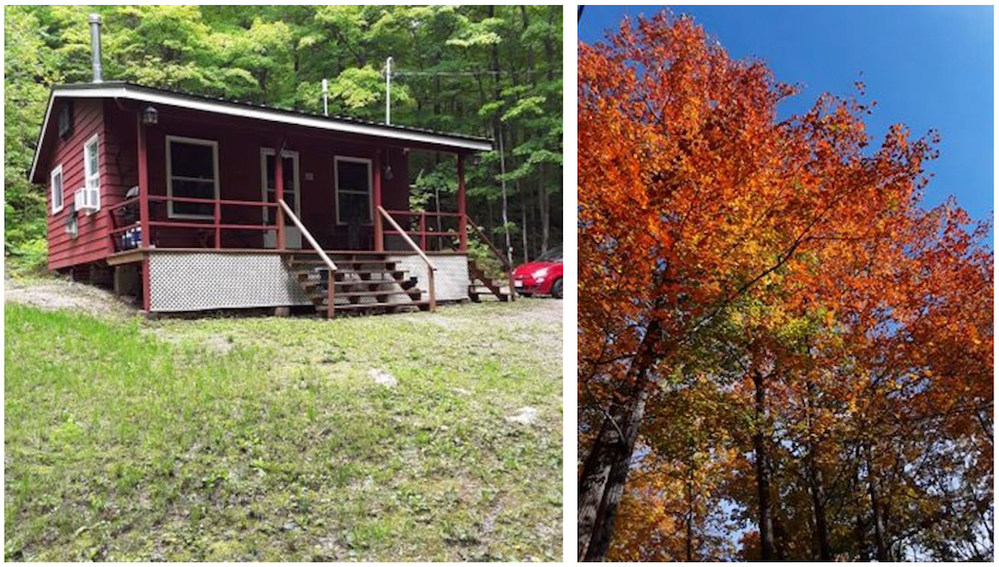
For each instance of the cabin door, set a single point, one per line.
(292, 196)
(352, 184)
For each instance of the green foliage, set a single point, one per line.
(480, 70)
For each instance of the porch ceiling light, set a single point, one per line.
(388, 172)
(150, 116)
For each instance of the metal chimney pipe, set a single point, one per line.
(388, 91)
(95, 46)
(326, 97)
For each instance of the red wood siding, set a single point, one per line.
(91, 243)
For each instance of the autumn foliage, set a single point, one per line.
(782, 353)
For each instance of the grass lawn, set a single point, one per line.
(268, 438)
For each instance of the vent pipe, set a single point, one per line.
(388, 91)
(95, 46)
(326, 97)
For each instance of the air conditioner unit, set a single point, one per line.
(87, 199)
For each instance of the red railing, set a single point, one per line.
(213, 224)
(420, 225)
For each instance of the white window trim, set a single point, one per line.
(336, 188)
(169, 173)
(96, 174)
(62, 189)
(264, 152)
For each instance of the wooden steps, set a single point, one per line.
(368, 282)
(482, 285)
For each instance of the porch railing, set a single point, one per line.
(422, 229)
(409, 241)
(214, 224)
(422, 232)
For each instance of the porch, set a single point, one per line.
(197, 192)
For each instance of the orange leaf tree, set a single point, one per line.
(718, 240)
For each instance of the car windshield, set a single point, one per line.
(553, 255)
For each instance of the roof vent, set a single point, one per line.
(95, 46)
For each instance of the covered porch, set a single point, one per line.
(209, 217)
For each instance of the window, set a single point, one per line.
(91, 172)
(66, 119)
(553, 255)
(57, 190)
(352, 177)
(192, 173)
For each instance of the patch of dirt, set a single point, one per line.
(543, 309)
(383, 378)
(60, 294)
(524, 416)
(215, 343)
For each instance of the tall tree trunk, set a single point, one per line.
(498, 132)
(859, 526)
(690, 512)
(818, 494)
(764, 517)
(505, 213)
(605, 470)
(523, 223)
(543, 208)
(816, 486)
(877, 514)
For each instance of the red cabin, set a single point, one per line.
(180, 200)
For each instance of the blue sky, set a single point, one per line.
(926, 66)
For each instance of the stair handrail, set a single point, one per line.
(330, 286)
(431, 268)
(482, 234)
(507, 266)
(308, 236)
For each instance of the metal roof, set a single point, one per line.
(131, 91)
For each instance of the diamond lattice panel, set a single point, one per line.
(198, 281)
(451, 282)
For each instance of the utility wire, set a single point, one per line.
(398, 73)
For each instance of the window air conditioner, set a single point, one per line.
(87, 199)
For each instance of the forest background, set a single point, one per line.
(492, 71)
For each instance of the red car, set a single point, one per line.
(542, 276)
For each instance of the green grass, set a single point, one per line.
(266, 439)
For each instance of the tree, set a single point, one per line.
(785, 261)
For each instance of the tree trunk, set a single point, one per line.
(764, 518)
(816, 486)
(605, 470)
(690, 514)
(859, 527)
(523, 224)
(817, 490)
(877, 514)
(498, 132)
(505, 212)
(543, 208)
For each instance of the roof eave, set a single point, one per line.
(340, 124)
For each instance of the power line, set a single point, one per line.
(398, 73)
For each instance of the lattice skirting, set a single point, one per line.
(451, 281)
(200, 281)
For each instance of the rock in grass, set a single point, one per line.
(383, 378)
(524, 416)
